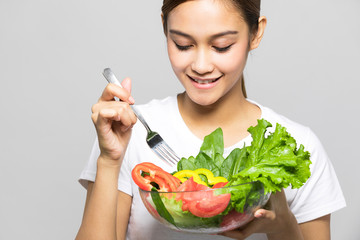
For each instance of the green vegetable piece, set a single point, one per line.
(204, 161)
(213, 143)
(272, 160)
(258, 136)
(219, 159)
(186, 164)
(160, 207)
(234, 163)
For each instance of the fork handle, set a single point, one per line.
(111, 78)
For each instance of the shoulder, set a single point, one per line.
(303, 134)
(308, 202)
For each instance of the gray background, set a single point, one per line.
(52, 54)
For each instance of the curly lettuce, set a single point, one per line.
(272, 159)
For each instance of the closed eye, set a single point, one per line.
(223, 49)
(182, 48)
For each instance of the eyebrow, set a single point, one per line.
(212, 37)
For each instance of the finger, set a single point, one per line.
(106, 115)
(126, 83)
(116, 111)
(128, 118)
(108, 104)
(263, 213)
(102, 120)
(112, 90)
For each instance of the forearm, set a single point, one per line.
(99, 221)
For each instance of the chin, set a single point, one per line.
(203, 100)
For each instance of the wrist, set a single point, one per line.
(107, 172)
(107, 162)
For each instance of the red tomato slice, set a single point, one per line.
(209, 206)
(201, 203)
(199, 187)
(188, 185)
(219, 184)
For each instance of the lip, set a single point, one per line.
(204, 83)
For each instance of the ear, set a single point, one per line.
(256, 39)
(163, 24)
(162, 19)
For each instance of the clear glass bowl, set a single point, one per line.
(206, 211)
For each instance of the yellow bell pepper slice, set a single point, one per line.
(210, 176)
(184, 174)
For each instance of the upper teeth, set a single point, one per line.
(204, 81)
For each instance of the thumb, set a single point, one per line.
(255, 226)
(263, 213)
(126, 83)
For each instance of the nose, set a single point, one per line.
(202, 63)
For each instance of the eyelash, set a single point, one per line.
(224, 49)
(187, 47)
(182, 48)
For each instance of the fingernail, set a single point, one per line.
(258, 214)
(132, 100)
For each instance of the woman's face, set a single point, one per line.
(207, 44)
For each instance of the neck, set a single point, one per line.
(219, 112)
(233, 113)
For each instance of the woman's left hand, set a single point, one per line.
(278, 222)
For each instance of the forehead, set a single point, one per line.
(199, 16)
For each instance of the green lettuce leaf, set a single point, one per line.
(272, 159)
(213, 144)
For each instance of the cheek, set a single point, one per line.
(178, 60)
(234, 62)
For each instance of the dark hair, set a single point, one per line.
(249, 10)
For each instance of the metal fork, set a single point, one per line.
(153, 139)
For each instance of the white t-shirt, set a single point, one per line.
(320, 195)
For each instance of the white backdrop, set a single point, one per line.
(52, 54)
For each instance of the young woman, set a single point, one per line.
(208, 43)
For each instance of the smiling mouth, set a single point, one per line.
(204, 81)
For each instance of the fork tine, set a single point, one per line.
(171, 152)
(164, 154)
(153, 139)
(166, 151)
(159, 154)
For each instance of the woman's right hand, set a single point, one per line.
(113, 121)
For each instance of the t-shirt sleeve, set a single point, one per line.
(89, 172)
(321, 194)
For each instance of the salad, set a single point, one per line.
(212, 190)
